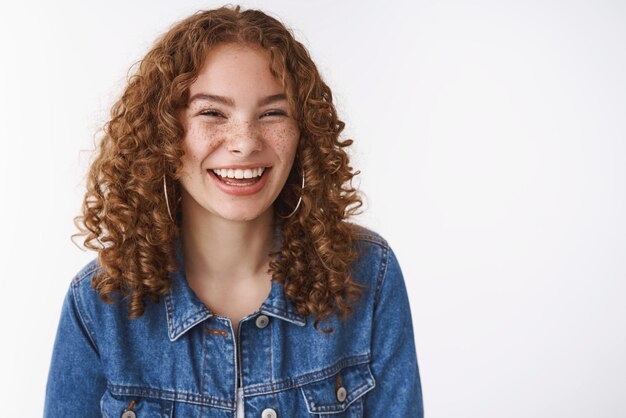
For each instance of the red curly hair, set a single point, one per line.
(124, 213)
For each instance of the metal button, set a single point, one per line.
(129, 414)
(341, 394)
(268, 413)
(261, 322)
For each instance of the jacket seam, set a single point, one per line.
(170, 395)
(324, 406)
(371, 238)
(85, 273)
(206, 400)
(382, 274)
(76, 300)
(307, 378)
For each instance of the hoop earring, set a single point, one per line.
(299, 200)
(167, 201)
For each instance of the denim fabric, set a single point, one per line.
(181, 360)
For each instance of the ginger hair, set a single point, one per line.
(124, 216)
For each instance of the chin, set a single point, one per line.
(241, 215)
(241, 218)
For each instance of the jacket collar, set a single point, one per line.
(184, 309)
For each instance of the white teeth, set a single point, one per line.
(239, 173)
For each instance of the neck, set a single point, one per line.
(219, 251)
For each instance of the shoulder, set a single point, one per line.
(78, 299)
(371, 246)
(96, 313)
(376, 261)
(81, 288)
(85, 295)
(368, 237)
(88, 271)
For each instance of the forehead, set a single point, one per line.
(236, 69)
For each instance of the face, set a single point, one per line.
(237, 120)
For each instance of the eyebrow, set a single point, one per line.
(227, 101)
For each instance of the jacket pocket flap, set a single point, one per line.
(337, 392)
(113, 406)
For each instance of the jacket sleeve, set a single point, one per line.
(398, 391)
(76, 381)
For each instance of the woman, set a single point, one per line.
(228, 281)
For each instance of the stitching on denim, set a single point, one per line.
(203, 371)
(169, 409)
(366, 234)
(373, 385)
(373, 239)
(86, 272)
(281, 313)
(271, 358)
(369, 377)
(168, 311)
(167, 395)
(77, 302)
(310, 377)
(192, 320)
(272, 366)
(236, 358)
(355, 397)
(324, 407)
(382, 272)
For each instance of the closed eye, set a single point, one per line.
(211, 113)
(275, 113)
(215, 113)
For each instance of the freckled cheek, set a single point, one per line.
(284, 140)
(198, 144)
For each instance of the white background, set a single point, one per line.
(492, 143)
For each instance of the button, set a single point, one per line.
(268, 412)
(341, 394)
(129, 414)
(261, 322)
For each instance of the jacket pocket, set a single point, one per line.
(114, 406)
(341, 393)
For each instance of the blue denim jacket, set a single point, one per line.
(181, 360)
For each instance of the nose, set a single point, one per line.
(244, 139)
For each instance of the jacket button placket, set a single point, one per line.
(261, 322)
(219, 342)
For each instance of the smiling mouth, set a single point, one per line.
(239, 182)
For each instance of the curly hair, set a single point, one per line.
(124, 214)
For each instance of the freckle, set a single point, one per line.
(285, 137)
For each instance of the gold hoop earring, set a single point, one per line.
(167, 201)
(299, 200)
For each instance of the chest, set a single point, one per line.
(284, 366)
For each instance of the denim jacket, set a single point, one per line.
(181, 360)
